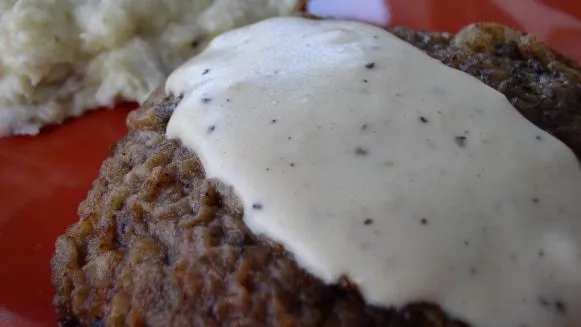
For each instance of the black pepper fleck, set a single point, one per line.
(466, 243)
(376, 37)
(267, 169)
(424, 119)
(560, 306)
(364, 127)
(290, 138)
(473, 271)
(228, 100)
(424, 221)
(211, 129)
(361, 151)
(206, 100)
(541, 253)
(370, 65)
(535, 200)
(195, 43)
(292, 164)
(273, 121)
(166, 259)
(205, 71)
(257, 206)
(367, 222)
(460, 140)
(538, 137)
(365, 81)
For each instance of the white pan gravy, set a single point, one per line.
(368, 159)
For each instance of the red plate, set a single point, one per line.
(43, 178)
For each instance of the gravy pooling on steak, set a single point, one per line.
(367, 159)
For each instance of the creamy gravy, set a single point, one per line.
(366, 158)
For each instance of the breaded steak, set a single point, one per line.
(160, 245)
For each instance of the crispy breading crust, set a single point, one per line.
(159, 245)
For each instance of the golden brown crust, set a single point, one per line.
(159, 245)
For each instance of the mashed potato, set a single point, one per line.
(60, 58)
